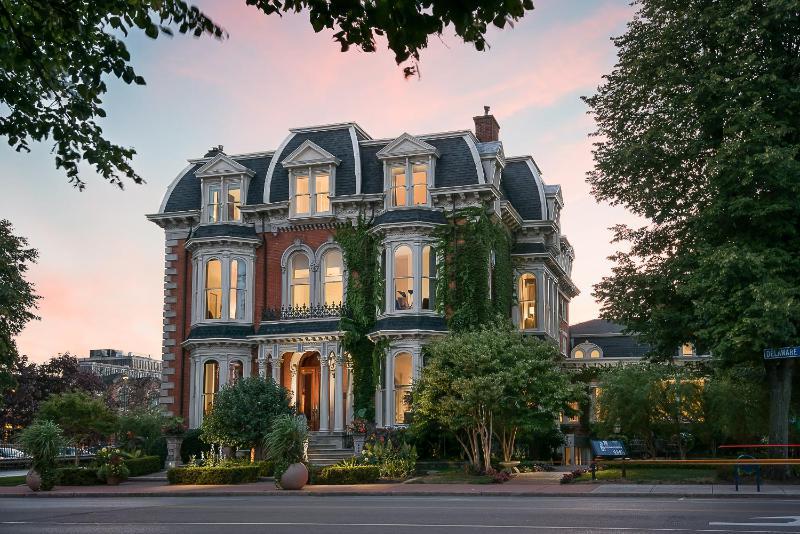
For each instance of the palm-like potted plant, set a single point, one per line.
(286, 447)
(42, 441)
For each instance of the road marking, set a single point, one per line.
(794, 521)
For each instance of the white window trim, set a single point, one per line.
(199, 262)
(223, 356)
(224, 183)
(316, 276)
(408, 162)
(311, 171)
(416, 261)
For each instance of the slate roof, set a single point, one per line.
(298, 327)
(218, 230)
(519, 186)
(489, 148)
(230, 331)
(528, 248)
(411, 322)
(455, 165)
(622, 346)
(595, 326)
(371, 169)
(411, 215)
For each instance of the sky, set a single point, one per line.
(100, 267)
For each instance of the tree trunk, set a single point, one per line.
(779, 377)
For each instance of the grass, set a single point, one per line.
(12, 481)
(661, 475)
(451, 476)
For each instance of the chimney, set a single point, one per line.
(486, 127)
(213, 151)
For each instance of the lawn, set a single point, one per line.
(451, 476)
(661, 475)
(12, 481)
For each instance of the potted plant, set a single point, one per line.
(359, 429)
(286, 446)
(173, 430)
(42, 441)
(111, 468)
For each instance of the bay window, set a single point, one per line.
(428, 278)
(213, 289)
(221, 288)
(403, 278)
(527, 301)
(210, 384)
(402, 386)
(238, 289)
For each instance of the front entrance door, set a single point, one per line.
(308, 375)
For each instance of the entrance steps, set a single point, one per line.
(327, 448)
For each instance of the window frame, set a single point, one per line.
(200, 262)
(324, 276)
(388, 258)
(311, 172)
(408, 162)
(221, 209)
(521, 301)
(290, 279)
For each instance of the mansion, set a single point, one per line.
(255, 280)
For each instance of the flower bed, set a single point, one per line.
(214, 475)
(143, 465)
(347, 474)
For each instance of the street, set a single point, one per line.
(354, 515)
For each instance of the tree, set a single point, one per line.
(84, 419)
(17, 297)
(698, 128)
(243, 413)
(55, 56)
(140, 429)
(491, 382)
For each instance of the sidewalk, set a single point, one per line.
(158, 488)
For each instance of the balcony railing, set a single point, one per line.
(320, 311)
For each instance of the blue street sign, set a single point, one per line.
(608, 448)
(780, 354)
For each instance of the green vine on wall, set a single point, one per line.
(467, 246)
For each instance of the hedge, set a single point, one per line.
(77, 476)
(265, 468)
(143, 465)
(340, 474)
(213, 475)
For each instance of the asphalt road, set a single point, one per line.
(428, 515)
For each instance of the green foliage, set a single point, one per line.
(286, 442)
(393, 461)
(193, 445)
(244, 412)
(364, 292)
(143, 465)
(347, 474)
(78, 476)
(140, 430)
(41, 441)
(84, 419)
(240, 474)
(106, 471)
(17, 297)
(491, 382)
(468, 246)
(265, 468)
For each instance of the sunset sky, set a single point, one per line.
(100, 269)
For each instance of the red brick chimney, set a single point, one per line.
(486, 127)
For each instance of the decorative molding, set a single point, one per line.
(309, 154)
(222, 165)
(407, 146)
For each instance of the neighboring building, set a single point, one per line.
(601, 343)
(113, 362)
(255, 279)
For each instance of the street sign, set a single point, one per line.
(608, 448)
(783, 353)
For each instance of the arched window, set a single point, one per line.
(300, 281)
(332, 278)
(214, 289)
(578, 354)
(210, 384)
(428, 278)
(527, 301)
(594, 353)
(402, 386)
(235, 371)
(238, 291)
(403, 278)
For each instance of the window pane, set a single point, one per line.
(428, 278)
(398, 183)
(235, 371)
(210, 384)
(402, 385)
(579, 354)
(322, 189)
(594, 354)
(333, 269)
(687, 349)
(419, 181)
(213, 203)
(403, 279)
(238, 287)
(234, 202)
(214, 289)
(527, 303)
(300, 292)
(302, 195)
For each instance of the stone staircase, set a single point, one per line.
(326, 448)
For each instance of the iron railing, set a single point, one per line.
(319, 311)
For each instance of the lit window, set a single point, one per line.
(210, 384)
(687, 350)
(428, 278)
(419, 183)
(312, 191)
(398, 181)
(302, 195)
(403, 279)
(527, 301)
(594, 353)
(214, 203)
(214, 289)
(235, 371)
(300, 291)
(332, 283)
(408, 183)
(322, 182)
(238, 289)
(402, 386)
(578, 354)
(234, 202)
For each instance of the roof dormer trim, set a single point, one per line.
(318, 156)
(222, 165)
(407, 146)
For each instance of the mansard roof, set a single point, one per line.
(522, 185)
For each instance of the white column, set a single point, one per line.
(389, 393)
(324, 395)
(349, 403)
(338, 393)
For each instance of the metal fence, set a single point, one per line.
(11, 454)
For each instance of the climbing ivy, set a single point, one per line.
(364, 287)
(467, 246)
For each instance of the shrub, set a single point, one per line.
(286, 442)
(346, 474)
(111, 464)
(42, 440)
(566, 478)
(193, 445)
(265, 468)
(143, 465)
(214, 475)
(395, 462)
(77, 476)
(498, 477)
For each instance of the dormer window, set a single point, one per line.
(311, 177)
(408, 167)
(224, 183)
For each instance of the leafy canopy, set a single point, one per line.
(55, 57)
(84, 419)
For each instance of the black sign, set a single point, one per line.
(608, 448)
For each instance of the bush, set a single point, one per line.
(214, 475)
(193, 445)
(265, 468)
(77, 476)
(341, 474)
(395, 462)
(143, 465)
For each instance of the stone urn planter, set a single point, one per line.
(173, 451)
(358, 443)
(34, 480)
(295, 477)
(511, 466)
